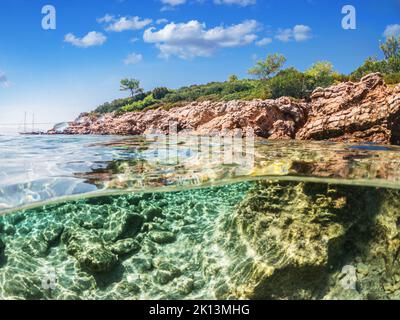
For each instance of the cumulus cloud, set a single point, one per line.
(392, 30)
(242, 3)
(92, 39)
(193, 39)
(298, 33)
(263, 42)
(4, 80)
(119, 24)
(133, 58)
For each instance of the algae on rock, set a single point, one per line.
(299, 235)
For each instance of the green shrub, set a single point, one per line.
(321, 74)
(160, 92)
(392, 78)
(289, 82)
(371, 65)
(140, 105)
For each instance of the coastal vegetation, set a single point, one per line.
(271, 81)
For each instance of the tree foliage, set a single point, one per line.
(160, 92)
(289, 82)
(264, 69)
(391, 47)
(321, 74)
(132, 85)
(233, 78)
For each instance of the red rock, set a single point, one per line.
(367, 111)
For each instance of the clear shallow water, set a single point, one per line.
(161, 218)
(42, 168)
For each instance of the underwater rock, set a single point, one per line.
(52, 233)
(35, 245)
(97, 258)
(166, 273)
(185, 286)
(153, 212)
(24, 276)
(89, 250)
(162, 237)
(125, 246)
(123, 225)
(300, 235)
(2, 246)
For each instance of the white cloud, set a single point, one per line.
(298, 33)
(133, 58)
(193, 39)
(173, 3)
(264, 42)
(302, 33)
(106, 19)
(93, 38)
(242, 3)
(162, 21)
(284, 35)
(124, 23)
(392, 30)
(4, 80)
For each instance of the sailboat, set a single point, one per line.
(32, 132)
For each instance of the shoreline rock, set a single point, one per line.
(367, 111)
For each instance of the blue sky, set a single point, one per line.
(59, 73)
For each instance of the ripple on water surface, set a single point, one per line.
(42, 168)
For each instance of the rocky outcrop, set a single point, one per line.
(366, 111)
(270, 119)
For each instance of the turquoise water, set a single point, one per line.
(197, 218)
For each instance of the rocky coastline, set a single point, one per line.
(366, 111)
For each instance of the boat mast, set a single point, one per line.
(25, 122)
(33, 122)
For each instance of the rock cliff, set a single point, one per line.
(367, 111)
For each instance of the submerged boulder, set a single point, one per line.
(162, 237)
(298, 237)
(123, 225)
(125, 246)
(2, 247)
(89, 250)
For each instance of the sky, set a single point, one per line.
(59, 73)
